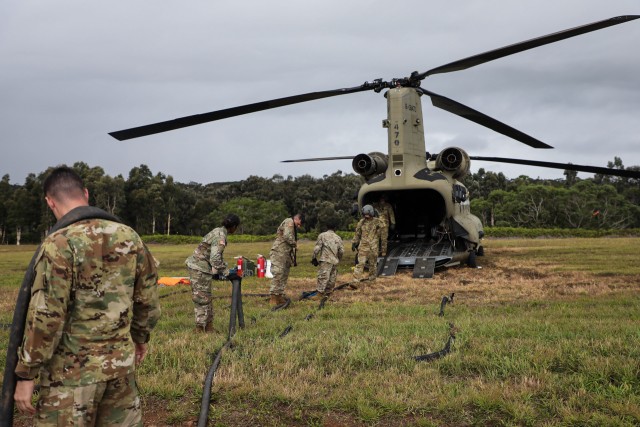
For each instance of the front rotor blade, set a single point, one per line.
(197, 119)
(319, 159)
(469, 113)
(481, 58)
(568, 166)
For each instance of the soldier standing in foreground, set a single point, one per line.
(388, 220)
(365, 241)
(94, 303)
(283, 255)
(206, 263)
(327, 254)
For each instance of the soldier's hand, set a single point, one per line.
(314, 262)
(141, 352)
(222, 275)
(354, 246)
(22, 396)
(392, 227)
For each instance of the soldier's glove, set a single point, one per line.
(221, 274)
(314, 262)
(392, 227)
(354, 247)
(233, 274)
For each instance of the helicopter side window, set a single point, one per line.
(460, 193)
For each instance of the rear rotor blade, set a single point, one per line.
(197, 119)
(568, 166)
(469, 113)
(319, 159)
(481, 58)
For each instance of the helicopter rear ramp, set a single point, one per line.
(423, 257)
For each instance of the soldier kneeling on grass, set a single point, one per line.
(327, 254)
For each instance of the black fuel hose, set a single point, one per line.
(446, 350)
(443, 303)
(22, 305)
(438, 354)
(206, 392)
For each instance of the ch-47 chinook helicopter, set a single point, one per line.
(434, 224)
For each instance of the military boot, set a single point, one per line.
(200, 329)
(281, 299)
(209, 328)
(273, 300)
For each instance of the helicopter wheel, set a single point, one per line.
(471, 261)
(480, 251)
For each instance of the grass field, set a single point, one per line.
(547, 334)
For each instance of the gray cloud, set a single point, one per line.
(73, 71)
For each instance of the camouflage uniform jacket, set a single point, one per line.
(328, 248)
(94, 295)
(368, 233)
(208, 255)
(386, 212)
(285, 241)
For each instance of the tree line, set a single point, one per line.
(156, 204)
(601, 202)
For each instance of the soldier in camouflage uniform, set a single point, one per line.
(206, 263)
(283, 255)
(327, 254)
(94, 303)
(388, 220)
(365, 241)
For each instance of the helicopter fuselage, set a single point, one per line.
(431, 206)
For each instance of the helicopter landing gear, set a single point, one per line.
(471, 261)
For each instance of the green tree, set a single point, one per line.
(110, 194)
(139, 199)
(256, 216)
(5, 195)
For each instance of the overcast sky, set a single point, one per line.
(72, 71)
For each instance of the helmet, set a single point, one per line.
(368, 210)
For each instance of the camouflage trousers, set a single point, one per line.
(364, 256)
(201, 296)
(280, 267)
(111, 403)
(384, 236)
(327, 274)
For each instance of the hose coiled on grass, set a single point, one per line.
(446, 350)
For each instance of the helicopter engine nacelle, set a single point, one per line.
(454, 159)
(371, 164)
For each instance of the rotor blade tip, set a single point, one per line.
(115, 135)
